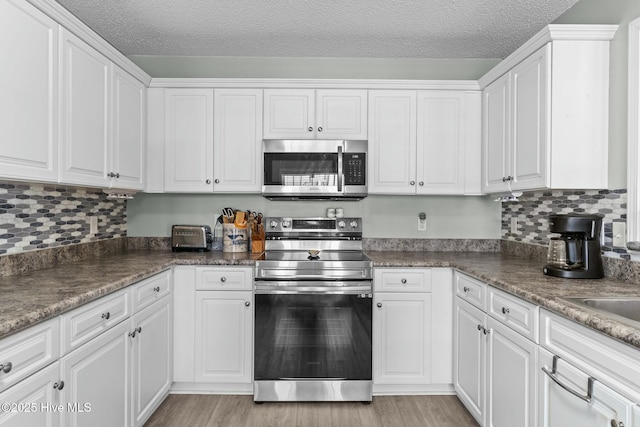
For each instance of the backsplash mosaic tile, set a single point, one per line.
(533, 208)
(38, 216)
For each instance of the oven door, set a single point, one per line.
(313, 342)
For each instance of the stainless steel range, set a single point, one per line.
(313, 312)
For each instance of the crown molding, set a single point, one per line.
(66, 19)
(272, 83)
(550, 33)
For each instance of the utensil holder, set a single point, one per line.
(234, 239)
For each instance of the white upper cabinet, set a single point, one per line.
(424, 142)
(547, 112)
(392, 141)
(85, 113)
(29, 87)
(315, 114)
(188, 160)
(448, 142)
(237, 140)
(129, 131)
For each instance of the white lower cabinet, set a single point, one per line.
(96, 381)
(412, 331)
(495, 373)
(37, 398)
(151, 359)
(213, 328)
(224, 321)
(511, 378)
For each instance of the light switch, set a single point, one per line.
(93, 225)
(619, 231)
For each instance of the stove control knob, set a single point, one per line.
(354, 224)
(341, 224)
(273, 223)
(286, 223)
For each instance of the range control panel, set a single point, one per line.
(317, 226)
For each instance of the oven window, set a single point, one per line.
(312, 336)
(301, 169)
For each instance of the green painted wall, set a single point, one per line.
(314, 68)
(151, 215)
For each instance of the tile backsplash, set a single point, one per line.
(533, 208)
(38, 216)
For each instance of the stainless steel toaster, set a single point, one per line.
(191, 238)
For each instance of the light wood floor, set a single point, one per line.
(385, 411)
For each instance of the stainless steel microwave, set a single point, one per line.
(314, 169)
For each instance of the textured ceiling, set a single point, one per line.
(318, 28)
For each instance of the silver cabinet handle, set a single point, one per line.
(421, 183)
(106, 315)
(310, 129)
(466, 289)
(208, 181)
(6, 367)
(616, 423)
(320, 129)
(136, 330)
(217, 181)
(223, 279)
(59, 385)
(505, 310)
(156, 289)
(480, 327)
(247, 303)
(553, 374)
(118, 175)
(403, 281)
(486, 331)
(379, 305)
(412, 183)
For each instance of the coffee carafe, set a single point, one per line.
(576, 253)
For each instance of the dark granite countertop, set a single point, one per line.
(33, 297)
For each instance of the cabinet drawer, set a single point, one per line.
(28, 351)
(402, 280)
(516, 313)
(607, 360)
(223, 278)
(151, 290)
(90, 320)
(471, 290)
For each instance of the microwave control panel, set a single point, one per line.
(354, 165)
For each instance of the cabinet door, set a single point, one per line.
(441, 142)
(402, 338)
(341, 114)
(529, 116)
(392, 142)
(511, 378)
(37, 398)
(224, 321)
(96, 381)
(29, 88)
(495, 135)
(469, 357)
(129, 124)
(289, 113)
(237, 140)
(188, 140)
(151, 359)
(85, 113)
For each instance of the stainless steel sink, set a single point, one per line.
(624, 309)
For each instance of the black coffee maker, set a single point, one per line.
(576, 253)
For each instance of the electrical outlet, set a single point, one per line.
(93, 225)
(514, 225)
(619, 234)
(422, 221)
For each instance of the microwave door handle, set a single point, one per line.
(340, 171)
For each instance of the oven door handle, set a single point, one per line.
(340, 171)
(348, 288)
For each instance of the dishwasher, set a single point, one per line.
(570, 397)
